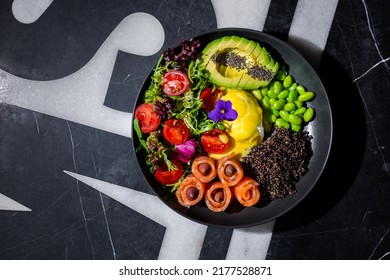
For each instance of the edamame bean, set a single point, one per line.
(284, 115)
(296, 127)
(270, 117)
(264, 91)
(287, 81)
(279, 104)
(289, 107)
(272, 93)
(293, 86)
(294, 119)
(275, 112)
(265, 102)
(300, 111)
(306, 96)
(278, 87)
(299, 103)
(282, 123)
(292, 95)
(308, 115)
(280, 75)
(300, 89)
(283, 94)
(257, 94)
(284, 102)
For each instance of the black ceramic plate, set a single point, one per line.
(320, 128)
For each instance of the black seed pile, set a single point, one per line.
(230, 59)
(279, 162)
(260, 73)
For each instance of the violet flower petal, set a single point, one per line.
(216, 115)
(220, 106)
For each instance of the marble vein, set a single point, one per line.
(178, 231)
(35, 218)
(78, 190)
(104, 212)
(386, 254)
(365, 214)
(372, 32)
(371, 68)
(377, 245)
(36, 121)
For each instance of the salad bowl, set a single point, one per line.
(320, 129)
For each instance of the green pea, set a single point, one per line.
(307, 96)
(294, 119)
(282, 123)
(300, 111)
(293, 86)
(296, 127)
(289, 107)
(257, 94)
(287, 81)
(283, 94)
(293, 95)
(284, 115)
(264, 91)
(279, 104)
(300, 89)
(265, 102)
(308, 115)
(272, 101)
(275, 112)
(299, 103)
(278, 87)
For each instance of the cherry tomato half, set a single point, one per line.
(166, 177)
(210, 98)
(148, 119)
(175, 131)
(174, 83)
(214, 141)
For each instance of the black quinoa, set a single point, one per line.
(279, 162)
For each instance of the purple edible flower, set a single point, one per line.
(223, 111)
(185, 151)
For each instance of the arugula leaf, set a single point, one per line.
(139, 134)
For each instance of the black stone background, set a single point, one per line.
(345, 217)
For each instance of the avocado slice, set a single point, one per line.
(237, 62)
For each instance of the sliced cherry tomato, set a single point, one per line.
(174, 83)
(210, 98)
(169, 177)
(175, 131)
(215, 141)
(148, 119)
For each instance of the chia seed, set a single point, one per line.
(230, 59)
(279, 163)
(260, 73)
(239, 63)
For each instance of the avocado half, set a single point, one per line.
(236, 62)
